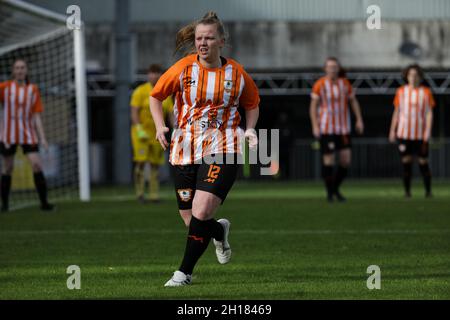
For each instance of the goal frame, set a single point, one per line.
(84, 189)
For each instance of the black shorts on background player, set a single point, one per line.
(26, 148)
(334, 142)
(413, 147)
(214, 178)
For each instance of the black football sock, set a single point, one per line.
(426, 174)
(6, 187)
(327, 174)
(196, 244)
(215, 229)
(339, 178)
(407, 173)
(41, 187)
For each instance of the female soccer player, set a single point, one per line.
(208, 90)
(22, 125)
(411, 125)
(330, 120)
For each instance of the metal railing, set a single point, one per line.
(371, 158)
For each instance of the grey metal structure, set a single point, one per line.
(122, 154)
(283, 84)
(371, 158)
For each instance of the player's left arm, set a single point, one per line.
(249, 100)
(429, 125)
(429, 117)
(354, 104)
(37, 110)
(40, 130)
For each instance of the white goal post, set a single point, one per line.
(56, 58)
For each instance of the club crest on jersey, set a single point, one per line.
(402, 147)
(228, 85)
(185, 194)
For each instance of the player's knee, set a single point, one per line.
(8, 168)
(36, 166)
(423, 161)
(328, 160)
(345, 163)
(202, 210)
(407, 159)
(202, 214)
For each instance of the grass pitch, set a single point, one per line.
(287, 242)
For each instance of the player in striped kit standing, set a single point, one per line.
(208, 90)
(330, 120)
(411, 125)
(22, 125)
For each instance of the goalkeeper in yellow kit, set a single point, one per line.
(143, 135)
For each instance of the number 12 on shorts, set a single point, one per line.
(213, 173)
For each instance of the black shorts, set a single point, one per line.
(413, 147)
(214, 178)
(26, 148)
(330, 143)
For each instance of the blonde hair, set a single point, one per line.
(185, 40)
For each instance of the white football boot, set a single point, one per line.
(223, 249)
(179, 279)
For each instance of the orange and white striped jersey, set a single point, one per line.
(334, 116)
(20, 102)
(414, 105)
(206, 107)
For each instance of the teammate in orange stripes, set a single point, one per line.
(411, 125)
(330, 120)
(22, 125)
(208, 90)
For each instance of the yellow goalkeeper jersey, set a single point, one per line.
(141, 99)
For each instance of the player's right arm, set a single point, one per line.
(167, 85)
(395, 116)
(315, 100)
(313, 116)
(156, 108)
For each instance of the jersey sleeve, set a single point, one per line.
(136, 98)
(397, 98)
(350, 91)
(37, 106)
(169, 82)
(431, 101)
(2, 90)
(315, 92)
(249, 98)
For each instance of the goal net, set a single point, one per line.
(42, 39)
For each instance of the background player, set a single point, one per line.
(209, 89)
(411, 124)
(22, 125)
(143, 135)
(330, 120)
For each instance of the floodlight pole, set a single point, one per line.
(122, 147)
(82, 119)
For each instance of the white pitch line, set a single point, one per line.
(242, 231)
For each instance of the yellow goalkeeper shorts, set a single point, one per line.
(145, 151)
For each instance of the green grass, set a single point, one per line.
(287, 242)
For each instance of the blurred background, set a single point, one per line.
(283, 44)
